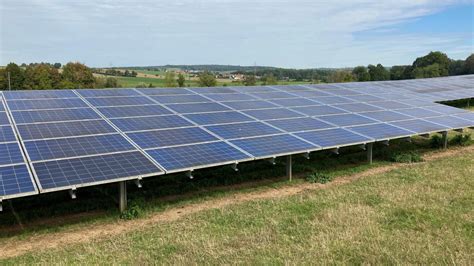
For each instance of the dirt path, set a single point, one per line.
(94, 232)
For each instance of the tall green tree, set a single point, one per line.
(378, 72)
(469, 65)
(170, 79)
(397, 72)
(207, 79)
(41, 77)
(181, 80)
(360, 73)
(269, 79)
(79, 75)
(439, 58)
(341, 76)
(17, 76)
(456, 67)
(250, 80)
(430, 71)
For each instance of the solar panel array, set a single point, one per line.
(74, 138)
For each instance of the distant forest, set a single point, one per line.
(76, 75)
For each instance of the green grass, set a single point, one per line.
(418, 214)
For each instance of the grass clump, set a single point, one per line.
(436, 142)
(133, 211)
(461, 140)
(407, 157)
(318, 178)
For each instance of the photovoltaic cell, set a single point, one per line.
(64, 129)
(241, 130)
(468, 116)
(4, 119)
(419, 126)
(319, 110)
(299, 124)
(310, 93)
(39, 94)
(150, 122)
(59, 174)
(197, 107)
(17, 105)
(170, 137)
(6, 134)
(226, 97)
(333, 100)
(336, 137)
(195, 156)
(418, 112)
(267, 114)
(347, 120)
(364, 98)
(272, 95)
(212, 90)
(445, 110)
(450, 121)
(386, 116)
(73, 147)
(269, 146)
(22, 117)
(107, 92)
(119, 101)
(10, 153)
(390, 105)
(250, 105)
(15, 180)
(164, 91)
(218, 118)
(192, 98)
(358, 107)
(132, 111)
(294, 102)
(381, 131)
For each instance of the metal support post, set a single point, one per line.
(369, 152)
(122, 196)
(289, 171)
(445, 139)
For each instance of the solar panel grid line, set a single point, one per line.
(181, 145)
(202, 127)
(157, 129)
(82, 156)
(60, 121)
(122, 133)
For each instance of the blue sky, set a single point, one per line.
(298, 33)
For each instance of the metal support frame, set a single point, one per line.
(73, 193)
(190, 174)
(369, 152)
(272, 160)
(445, 139)
(289, 170)
(139, 183)
(468, 102)
(122, 196)
(426, 136)
(306, 155)
(386, 142)
(234, 167)
(1, 205)
(335, 151)
(363, 147)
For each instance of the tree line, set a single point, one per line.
(44, 76)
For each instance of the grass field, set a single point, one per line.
(420, 213)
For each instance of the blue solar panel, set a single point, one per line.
(150, 122)
(386, 116)
(17, 105)
(59, 174)
(468, 116)
(249, 89)
(445, 110)
(107, 92)
(40, 94)
(418, 112)
(197, 107)
(170, 137)
(64, 129)
(319, 110)
(15, 180)
(310, 94)
(4, 119)
(192, 98)
(218, 118)
(164, 91)
(131, 111)
(270, 146)
(1, 105)
(119, 101)
(250, 105)
(358, 107)
(267, 114)
(291, 88)
(364, 98)
(272, 95)
(347, 120)
(10, 153)
(294, 102)
(6, 134)
(381, 131)
(343, 92)
(299, 124)
(195, 156)
(390, 105)
(212, 90)
(333, 100)
(22, 117)
(241, 130)
(419, 126)
(336, 137)
(72, 147)
(450, 121)
(226, 97)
